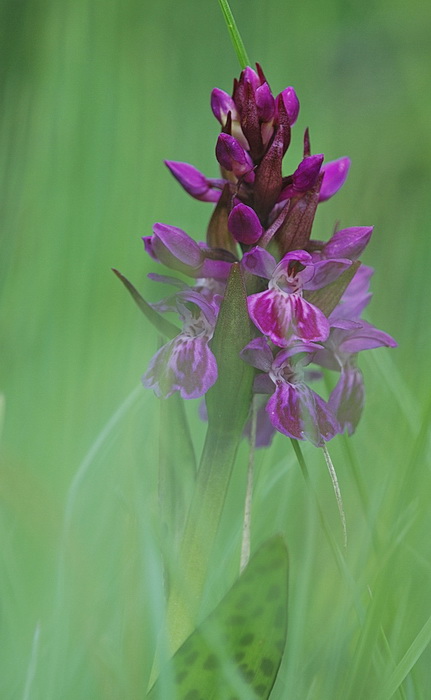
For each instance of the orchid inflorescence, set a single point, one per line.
(305, 297)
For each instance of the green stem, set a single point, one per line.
(200, 532)
(235, 36)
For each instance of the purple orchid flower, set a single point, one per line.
(194, 182)
(186, 364)
(293, 408)
(348, 336)
(334, 176)
(175, 249)
(346, 243)
(281, 312)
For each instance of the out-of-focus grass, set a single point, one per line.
(95, 95)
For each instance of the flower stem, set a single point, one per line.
(200, 532)
(235, 36)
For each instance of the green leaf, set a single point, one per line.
(236, 652)
(166, 328)
(177, 467)
(328, 297)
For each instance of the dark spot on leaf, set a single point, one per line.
(180, 676)
(267, 667)
(273, 592)
(276, 563)
(248, 673)
(280, 620)
(191, 658)
(192, 695)
(239, 655)
(257, 612)
(243, 601)
(261, 690)
(210, 662)
(236, 620)
(246, 639)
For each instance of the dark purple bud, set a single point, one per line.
(232, 157)
(307, 172)
(173, 247)
(265, 103)
(250, 76)
(193, 181)
(221, 105)
(304, 178)
(291, 104)
(335, 174)
(244, 224)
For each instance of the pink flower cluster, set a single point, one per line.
(263, 220)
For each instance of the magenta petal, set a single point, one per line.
(309, 322)
(258, 354)
(347, 399)
(217, 269)
(172, 242)
(300, 413)
(231, 155)
(280, 316)
(325, 272)
(194, 182)
(265, 103)
(307, 172)
(284, 410)
(366, 337)
(335, 174)
(271, 311)
(148, 245)
(221, 105)
(259, 262)
(348, 243)
(184, 364)
(291, 104)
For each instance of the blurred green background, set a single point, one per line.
(95, 94)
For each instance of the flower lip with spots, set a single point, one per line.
(281, 312)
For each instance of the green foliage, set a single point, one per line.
(94, 96)
(237, 651)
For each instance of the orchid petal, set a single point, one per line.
(347, 399)
(348, 243)
(184, 364)
(335, 174)
(258, 354)
(325, 272)
(259, 262)
(300, 413)
(193, 181)
(172, 243)
(291, 104)
(244, 224)
(280, 316)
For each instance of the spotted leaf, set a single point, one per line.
(236, 652)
